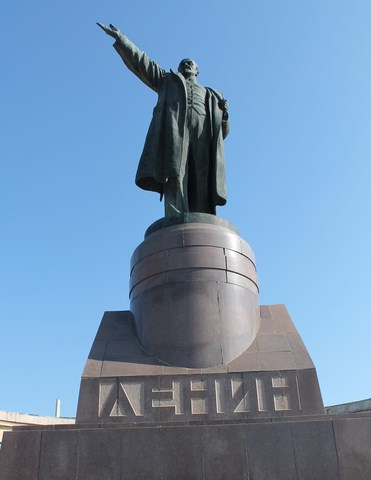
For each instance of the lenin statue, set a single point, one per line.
(183, 155)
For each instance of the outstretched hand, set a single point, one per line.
(111, 30)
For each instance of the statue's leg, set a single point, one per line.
(175, 202)
(175, 189)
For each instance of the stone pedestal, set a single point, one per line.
(194, 294)
(195, 381)
(123, 384)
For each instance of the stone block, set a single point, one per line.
(143, 462)
(270, 452)
(273, 343)
(181, 453)
(315, 450)
(353, 444)
(19, 456)
(59, 453)
(100, 454)
(219, 445)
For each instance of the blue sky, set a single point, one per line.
(297, 75)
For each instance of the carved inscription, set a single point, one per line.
(121, 399)
(173, 398)
(281, 395)
(183, 398)
(199, 403)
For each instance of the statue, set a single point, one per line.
(183, 155)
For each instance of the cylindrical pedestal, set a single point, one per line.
(194, 294)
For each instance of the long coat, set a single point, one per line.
(165, 149)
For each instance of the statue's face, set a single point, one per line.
(188, 67)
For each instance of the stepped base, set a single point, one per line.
(318, 448)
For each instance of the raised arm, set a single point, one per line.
(136, 60)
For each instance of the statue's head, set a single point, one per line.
(188, 67)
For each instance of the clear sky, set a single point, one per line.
(297, 75)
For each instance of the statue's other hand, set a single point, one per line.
(223, 105)
(110, 30)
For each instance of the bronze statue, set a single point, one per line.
(183, 155)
